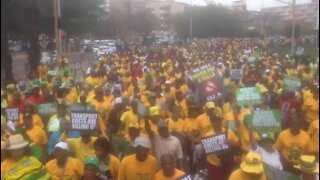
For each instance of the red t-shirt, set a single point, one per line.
(20, 105)
(35, 100)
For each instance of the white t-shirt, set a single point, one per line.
(272, 159)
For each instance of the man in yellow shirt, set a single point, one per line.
(130, 116)
(168, 169)
(314, 134)
(204, 121)
(292, 143)
(140, 165)
(250, 169)
(64, 167)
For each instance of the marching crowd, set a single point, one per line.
(151, 120)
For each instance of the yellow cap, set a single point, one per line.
(155, 111)
(133, 124)
(210, 105)
(252, 164)
(308, 164)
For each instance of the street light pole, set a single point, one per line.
(56, 28)
(191, 22)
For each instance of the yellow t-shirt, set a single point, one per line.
(244, 138)
(310, 108)
(204, 124)
(191, 129)
(314, 134)
(72, 171)
(81, 149)
(132, 169)
(240, 175)
(291, 147)
(177, 126)
(6, 165)
(36, 120)
(160, 175)
(37, 135)
(127, 118)
(233, 139)
(113, 166)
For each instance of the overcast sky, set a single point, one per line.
(254, 5)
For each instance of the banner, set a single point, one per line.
(248, 96)
(84, 120)
(266, 121)
(274, 173)
(291, 83)
(209, 84)
(12, 114)
(47, 109)
(215, 144)
(236, 74)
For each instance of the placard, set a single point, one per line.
(248, 96)
(209, 84)
(291, 83)
(84, 120)
(12, 114)
(215, 144)
(274, 173)
(266, 121)
(236, 74)
(185, 177)
(47, 109)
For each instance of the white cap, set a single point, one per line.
(62, 145)
(142, 141)
(118, 100)
(168, 82)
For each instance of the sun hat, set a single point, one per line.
(308, 164)
(92, 160)
(16, 142)
(252, 164)
(62, 145)
(142, 141)
(162, 124)
(210, 105)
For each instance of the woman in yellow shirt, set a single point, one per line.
(109, 164)
(64, 167)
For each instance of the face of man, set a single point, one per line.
(168, 165)
(164, 132)
(61, 155)
(142, 153)
(90, 171)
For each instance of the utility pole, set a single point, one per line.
(56, 15)
(191, 23)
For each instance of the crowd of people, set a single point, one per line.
(151, 121)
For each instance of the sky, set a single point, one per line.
(252, 5)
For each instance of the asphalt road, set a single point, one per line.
(20, 62)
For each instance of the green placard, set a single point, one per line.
(291, 83)
(265, 120)
(274, 173)
(47, 109)
(248, 96)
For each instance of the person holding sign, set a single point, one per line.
(62, 113)
(293, 142)
(250, 169)
(216, 166)
(168, 169)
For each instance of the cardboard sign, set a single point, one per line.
(291, 83)
(266, 121)
(79, 107)
(47, 109)
(236, 74)
(215, 144)
(252, 59)
(84, 120)
(274, 173)
(209, 84)
(12, 114)
(185, 177)
(248, 96)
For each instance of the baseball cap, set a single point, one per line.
(118, 100)
(92, 160)
(265, 136)
(168, 82)
(133, 124)
(142, 141)
(154, 111)
(210, 105)
(62, 145)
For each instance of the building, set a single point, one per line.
(239, 6)
(129, 6)
(306, 14)
(165, 10)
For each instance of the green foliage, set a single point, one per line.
(209, 21)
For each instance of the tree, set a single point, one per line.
(297, 33)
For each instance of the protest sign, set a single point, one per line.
(291, 83)
(12, 114)
(236, 74)
(215, 144)
(80, 107)
(47, 109)
(209, 84)
(266, 121)
(248, 96)
(185, 177)
(274, 173)
(84, 120)
(252, 59)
